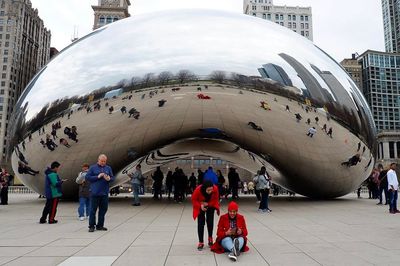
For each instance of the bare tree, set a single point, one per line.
(147, 80)
(135, 82)
(185, 75)
(218, 76)
(164, 77)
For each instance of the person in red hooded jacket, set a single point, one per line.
(205, 200)
(231, 233)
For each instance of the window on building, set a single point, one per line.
(301, 25)
(109, 20)
(254, 14)
(102, 20)
(398, 149)
(281, 23)
(5, 59)
(264, 16)
(293, 17)
(115, 19)
(306, 18)
(289, 17)
(391, 149)
(289, 24)
(269, 16)
(307, 34)
(302, 33)
(254, 8)
(301, 18)
(276, 16)
(281, 16)
(294, 25)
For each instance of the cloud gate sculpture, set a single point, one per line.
(160, 87)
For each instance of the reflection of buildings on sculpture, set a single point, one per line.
(109, 11)
(298, 19)
(25, 49)
(381, 83)
(354, 69)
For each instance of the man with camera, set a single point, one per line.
(99, 175)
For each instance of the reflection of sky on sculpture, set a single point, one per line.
(198, 40)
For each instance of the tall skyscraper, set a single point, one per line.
(25, 49)
(108, 11)
(298, 19)
(353, 67)
(381, 83)
(391, 25)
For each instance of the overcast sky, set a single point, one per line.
(341, 27)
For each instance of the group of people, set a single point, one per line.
(384, 183)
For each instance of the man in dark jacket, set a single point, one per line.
(233, 178)
(158, 177)
(99, 175)
(52, 192)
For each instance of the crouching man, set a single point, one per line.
(231, 233)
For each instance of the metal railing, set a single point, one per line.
(20, 190)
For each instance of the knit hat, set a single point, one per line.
(232, 206)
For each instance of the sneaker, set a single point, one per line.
(236, 247)
(265, 210)
(91, 229)
(379, 203)
(269, 210)
(210, 241)
(42, 221)
(81, 218)
(53, 222)
(260, 210)
(101, 228)
(232, 256)
(200, 246)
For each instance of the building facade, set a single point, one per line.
(109, 11)
(25, 49)
(298, 19)
(391, 25)
(353, 67)
(381, 83)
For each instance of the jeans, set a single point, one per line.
(383, 189)
(392, 200)
(135, 189)
(84, 203)
(227, 243)
(264, 199)
(100, 202)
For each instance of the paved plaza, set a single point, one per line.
(299, 231)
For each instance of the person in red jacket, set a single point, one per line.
(205, 200)
(231, 233)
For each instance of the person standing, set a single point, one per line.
(5, 179)
(231, 233)
(233, 178)
(205, 201)
(200, 176)
(158, 177)
(263, 182)
(169, 183)
(210, 175)
(136, 181)
(84, 193)
(192, 183)
(383, 185)
(393, 186)
(99, 175)
(53, 193)
(221, 183)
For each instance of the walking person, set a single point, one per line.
(168, 184)
(231, 233)
(136, 180)
(263, 182)
(233, 178)
(158, 177)
(84, 193)
(383, 185)
(53, 193)
(393, 186)
(99, 175)
(205, 201)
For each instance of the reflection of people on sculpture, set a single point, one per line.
(110, 110)
(24, 169)
(71, 133)
(133, 112)
(329, 133)
(255, 126)
(20, 155)
(265, 106)
(64, 142)
(161, 103)
(123, 109)
(298, 117)
(50, 143)
(353, 160)
(311, 132)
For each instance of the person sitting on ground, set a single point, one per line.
(352, 161)
(231, 233)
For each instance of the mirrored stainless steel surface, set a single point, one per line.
(184, 83)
